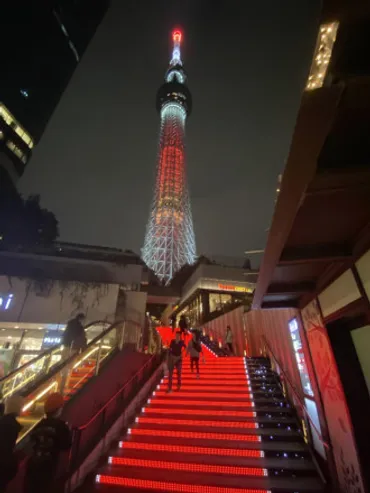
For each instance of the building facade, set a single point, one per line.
(311, 307)
(211, 291)
(48, 39)
(40, 292)
(169, 240)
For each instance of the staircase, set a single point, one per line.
(231, 431)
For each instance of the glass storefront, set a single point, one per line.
(19, 344)
(206, 305)
(193, 311)
(217, 302)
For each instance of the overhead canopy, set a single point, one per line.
(322, 215)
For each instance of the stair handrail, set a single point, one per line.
(119, 391)
(74, 457)
(296, 393)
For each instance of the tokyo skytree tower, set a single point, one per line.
(169, 240)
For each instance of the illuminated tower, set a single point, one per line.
(169, 240)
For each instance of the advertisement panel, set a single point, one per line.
(334, 401)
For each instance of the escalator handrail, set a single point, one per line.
(45, 353)
(69, 361)
(101, 410)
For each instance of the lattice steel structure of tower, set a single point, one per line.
(169, 240)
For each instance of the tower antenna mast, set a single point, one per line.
(176, 52)
(169, 241)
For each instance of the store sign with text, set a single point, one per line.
(6, 301)
(51, 340)
(235, 289)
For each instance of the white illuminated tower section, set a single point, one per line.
(169, 240)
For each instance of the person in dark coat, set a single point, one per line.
(183, 325)
(74, 336)
(9, 430)
(49, 439)
(173, 323)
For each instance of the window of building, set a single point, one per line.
(217, 301)
(15, 149)
(12, 122)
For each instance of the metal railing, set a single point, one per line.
(88, 435)
(75, 371)
(37, 368)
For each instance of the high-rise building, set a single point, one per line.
(43, 42)
(169, 241)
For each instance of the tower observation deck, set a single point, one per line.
(169, 240)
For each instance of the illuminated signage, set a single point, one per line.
(236, 289)
(51, 340)
(299, 356)
(5, 301)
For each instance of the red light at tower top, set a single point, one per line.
(177, 36)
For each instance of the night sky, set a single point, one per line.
(246, 61)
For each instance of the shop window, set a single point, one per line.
(361, 341)
(218, 301)
(363, 268)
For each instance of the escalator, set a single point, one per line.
(56, 371)
(38, 367)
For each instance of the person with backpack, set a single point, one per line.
(194, 349)
(48, 439)
(174, 360)
(9, 431)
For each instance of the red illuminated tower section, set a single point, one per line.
(169, 240)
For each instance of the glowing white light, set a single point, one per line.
(174, 110)
(175, 73)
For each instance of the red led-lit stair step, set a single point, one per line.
(226, 361)
(240, 373)
(207, 379)
(194, 435)
(208, 395)
(189, 449)
(198, 412)
(146, 484)
(218, 363)
(192, 422)
(189, 467)
(210, 388)
(169, 402)
(271, 434)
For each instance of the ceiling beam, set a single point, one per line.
(314, 121)
(273, 305)
(317, 253)
(333, 181)
(290, 288)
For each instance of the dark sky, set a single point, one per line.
(247, 62)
